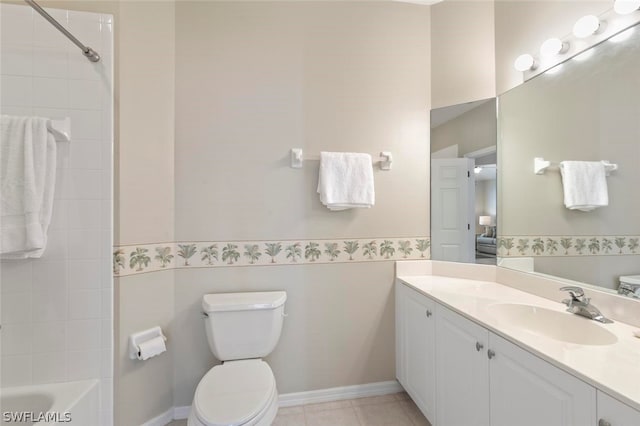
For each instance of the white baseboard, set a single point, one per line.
(316, 396)
(161, 420)
(340, 393)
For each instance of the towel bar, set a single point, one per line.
(60, 129)
(540, 165)
(297, 157)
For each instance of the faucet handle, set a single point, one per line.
(576, 292)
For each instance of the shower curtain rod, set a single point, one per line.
(91, 54)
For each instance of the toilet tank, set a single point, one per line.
(243, 325)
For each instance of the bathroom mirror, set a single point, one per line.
(463, 182)
(585, 109)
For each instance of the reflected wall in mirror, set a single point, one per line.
(586, 109)
(463, 182)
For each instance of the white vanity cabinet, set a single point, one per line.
(462, 371)
(481, 379)
(612, 412)
(415, 350)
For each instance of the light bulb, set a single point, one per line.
(586, 26)
(553, 46)
(625, 7)
(524, 62)
(477, 169)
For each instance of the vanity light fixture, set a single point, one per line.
(524, 63)
(626, 7)
(622, 36)
(477, 169)
(586, 26)
(553, 46)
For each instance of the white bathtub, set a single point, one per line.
(71, 403)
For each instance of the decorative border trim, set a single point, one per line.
(141, 258)
(566, 245)
(317, 396)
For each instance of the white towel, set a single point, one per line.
(346, 180)
(27, 182)
(585, 185)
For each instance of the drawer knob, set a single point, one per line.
(490, 354)
(429, 313)
(479, 346)
(603, 422)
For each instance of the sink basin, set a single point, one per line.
(561, 326)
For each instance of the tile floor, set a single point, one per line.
(388, 410)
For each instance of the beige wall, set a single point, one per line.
(522, 26)
(333, 76)
(462, 52)
(471, 131)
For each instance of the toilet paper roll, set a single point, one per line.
(151, 348)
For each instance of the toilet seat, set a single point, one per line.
(236, 393)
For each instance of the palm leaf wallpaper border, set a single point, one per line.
(568, 245)
(143, 258)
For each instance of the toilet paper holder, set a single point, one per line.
(136, 339)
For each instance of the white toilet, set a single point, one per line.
(241, 329)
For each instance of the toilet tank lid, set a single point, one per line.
(221, 302)
(630, 279)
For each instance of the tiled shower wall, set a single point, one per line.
(57, 316)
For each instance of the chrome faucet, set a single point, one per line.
(580, 305)
(629, 290)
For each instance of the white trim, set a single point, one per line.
(482, 152)
(162, 419)
(320, 395)
(340, 393)
(181, 413)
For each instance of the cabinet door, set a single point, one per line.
(418, 329)
(612, 412)
(463, 371)
(527, 391)
(401, 367)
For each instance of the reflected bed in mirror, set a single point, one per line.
(586, 109)
(463, 183)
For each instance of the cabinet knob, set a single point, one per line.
(479, 346)
(429, 313)
(490, 354)
(603, 422)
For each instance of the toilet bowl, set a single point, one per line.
(241, 329)
(236, 393)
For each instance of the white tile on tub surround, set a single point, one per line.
(106, 363)
(85, 304)
(85, 94)
(83, 335)
(106, 394)
(49, 306)
(85, 154)
(50, 92)
(106, 334)
(50, 62)
(16, 91)
(49, 337)
(15, 276)
(59, 215)
(50, 276)
(84, 214)
(57, 241)
(50, 367)
(17, 339)
(84, 243)
(84, 274)
(106, 302)
(16, 370)
(16, 25)
(16, 60)
(85, 124)
(16, 308)
(16, 110)
(83, 365)
(72, 184)
(46, 35)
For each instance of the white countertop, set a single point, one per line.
(613, 369)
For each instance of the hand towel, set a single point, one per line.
(346, 180)
(584, 184)
(27, 182)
